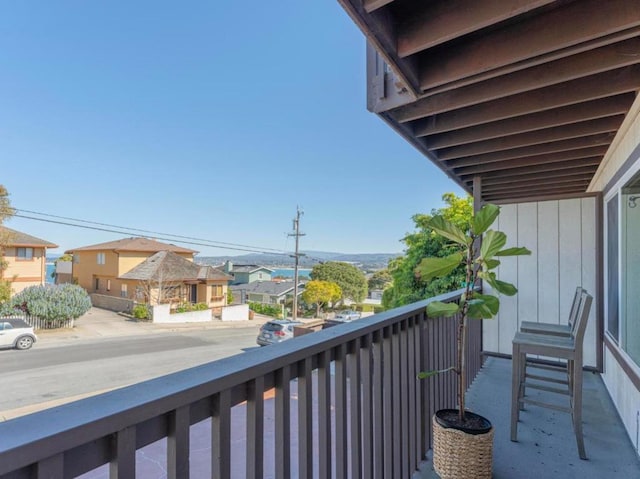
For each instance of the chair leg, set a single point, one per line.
(522, 390)
(516, 373)
(576, 393)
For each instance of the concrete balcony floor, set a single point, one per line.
(546, 446)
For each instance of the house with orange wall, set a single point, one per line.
(131, 267)
(25, 258)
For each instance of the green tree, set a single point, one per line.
(320, 293)
(351, 280)
(229, 296)
(424, 242)
(380, 279)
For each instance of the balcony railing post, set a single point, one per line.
(282, 423)
(221, 435)
(355, 409)
(178, 444)
(255, 428)
(123, 462)
(341, 411)
(305, 420)
(324, 415)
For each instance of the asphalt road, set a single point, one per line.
(39, 378)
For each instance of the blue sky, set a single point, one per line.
(211, 119)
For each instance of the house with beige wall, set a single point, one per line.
(25, 258)
(146, 270)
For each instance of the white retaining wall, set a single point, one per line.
(161, 314)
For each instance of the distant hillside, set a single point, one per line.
(366, 261)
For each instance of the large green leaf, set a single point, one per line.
(501, 287)
(484, 218)
(438, 309)
(492, 302)
(430, 268)
(478, 309)
(492, 242)
(491, 264)
(517, 251)
(448, 230)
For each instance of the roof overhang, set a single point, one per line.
(524, 97)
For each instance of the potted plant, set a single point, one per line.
(462, 440)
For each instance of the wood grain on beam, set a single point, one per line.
(602, 140)
(539, 185)
(624, 80)
(600, 108)
(602, 59)
(579, 171)
(529, 194)
(444, 20)
(550, 162)
(576, 22)
(539, 168)
(371, 5)
(538, 137)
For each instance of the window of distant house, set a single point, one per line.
(76, 258)
(259, 275)
(123, 290)
(108, 285)
(97, 285)
(101, 258)
(216, 290)
(24, 254)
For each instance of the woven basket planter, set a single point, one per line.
(460, 455)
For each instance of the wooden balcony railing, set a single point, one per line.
(346, 403)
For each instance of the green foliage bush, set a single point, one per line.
(266, 309)
(53, 302)
(140, 311)
(188, 307)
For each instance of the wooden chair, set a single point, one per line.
(555, 329)
(563, 348)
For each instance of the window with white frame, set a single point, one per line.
(24, 254)
(123, 291)
(101, 258)
(622, 209)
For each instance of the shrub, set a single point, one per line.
(274, 311)
(188, 307)
(140, 311)
(53, 302)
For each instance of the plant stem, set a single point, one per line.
(462, 332)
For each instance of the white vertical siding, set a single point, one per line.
(561, 237)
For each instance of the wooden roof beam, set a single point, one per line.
(439, 22)
(511, 176)
(602, 85)
(537, 163)
(536, 169)
(565, 182)
(563, 147)
(371, 5)
(602, 59)
(532, 194)
(600, 108)
(538, 137)
(531, 42)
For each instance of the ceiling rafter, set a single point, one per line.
(526, 94)
(531, 42)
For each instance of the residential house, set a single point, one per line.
(265, 292)
(247, 273)
(167, 277)
(26, 258)
(98, 268)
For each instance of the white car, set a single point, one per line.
(16, 333)
(347, 315)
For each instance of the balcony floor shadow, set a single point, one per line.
(546, 444)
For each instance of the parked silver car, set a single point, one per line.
(276, 331)
(16, 333)
(347, 315)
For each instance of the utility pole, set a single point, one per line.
(296, 256)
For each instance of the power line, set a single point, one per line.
(158, 237)
(213, 243)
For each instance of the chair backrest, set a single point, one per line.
(575, 306)
(582, 317)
